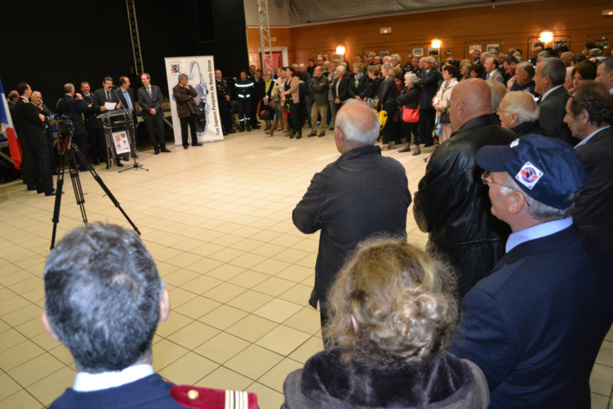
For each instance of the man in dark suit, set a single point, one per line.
(223, 100)
(96, 145)
(101, 97)
(535, 325)
(150, 99)
(104, 299)
(429, 78)
(589, 115)
(549, 82)
(73, 106)
(30, 130)
(343, 200)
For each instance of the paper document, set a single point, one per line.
(110, 105)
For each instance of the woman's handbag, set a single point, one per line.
(410, 115)
(445, 118)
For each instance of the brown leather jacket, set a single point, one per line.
(185, 100)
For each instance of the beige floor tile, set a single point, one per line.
(165, 353)
(605, 356)
(250, 301)
(248, 279)
(296, 273)
(223, 317)
(44, 341)
(13, 304)
(174, 323)
(276, 376)
(223, 378)
(283, 340)
(598, 401)
(8, 386)
(19, 354)
(277, 310)
(50, 388)
(178, 297)
(226, 254)
(251, 328)
(225, 272)
(254, 361)
(248, 261)
(274, 286)
(188, 369)
(270, 266)
(222, 347)
(180, 277)
(267, 397)
(62, 353)
(197, 307)
(224, 292)
(204, 265)
(291, 255)
(10, 338)
(202, 284)
(306, 320)
(601, 379)
(36, 369)
(22, 400)
(309, 348)
(32, 327)
(193, 335)
(36, 295)
(299, 294)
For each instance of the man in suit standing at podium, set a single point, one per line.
(150, 99)
(73, 106)
(101, 97)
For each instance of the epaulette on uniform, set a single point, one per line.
(205, 398)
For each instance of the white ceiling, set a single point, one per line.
(319, 11)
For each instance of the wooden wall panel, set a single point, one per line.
(513, 23)
(282, 35)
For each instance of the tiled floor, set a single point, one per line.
(217, 219)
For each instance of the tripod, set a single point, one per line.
(69, 157)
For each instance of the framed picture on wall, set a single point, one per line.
(384, 53)
(474, 47)
(337, 57)
(433, 51)
(418, 52)
(560, 43)
(493, 48)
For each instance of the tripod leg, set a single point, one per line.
(76, 183)
(58, 198)
(106, 190)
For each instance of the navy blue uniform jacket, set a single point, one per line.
(359, 194)
(535, 325)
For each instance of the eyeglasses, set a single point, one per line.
(487, 181)
(500, 111)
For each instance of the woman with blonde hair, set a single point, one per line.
(392, 315)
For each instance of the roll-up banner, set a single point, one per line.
(200, 71)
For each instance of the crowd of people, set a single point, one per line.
(507, 306)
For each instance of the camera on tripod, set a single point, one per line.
(64, 125)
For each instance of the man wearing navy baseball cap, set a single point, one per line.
(535, 324)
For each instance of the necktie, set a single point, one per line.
(149, 91)
(108, 96)
(127, 97)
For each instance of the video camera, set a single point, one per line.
(65, 127)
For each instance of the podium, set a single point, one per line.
(114, 123)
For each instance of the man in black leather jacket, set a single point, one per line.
(452, 204)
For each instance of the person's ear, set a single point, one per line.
(164, 305)
(47, 327)
(517, 201)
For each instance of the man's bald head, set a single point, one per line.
(358, 125)
(469, 99)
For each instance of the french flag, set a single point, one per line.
(9, 130)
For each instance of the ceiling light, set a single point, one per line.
(546, 37)
(340, 50)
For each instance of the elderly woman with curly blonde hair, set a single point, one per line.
(392, 314)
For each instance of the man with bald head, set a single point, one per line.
(359, 194)
(451, 203)
(429, 78)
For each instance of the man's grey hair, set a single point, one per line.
(608, 64)
(181, 76)
(102, 296)
(527, 68)
(411, 77)
(544, 54)
(537, 210)
(396, 57)
(596, 51)
(555, 68)
(516, 105)
(352, 130)
(341, 69)
(68, 88)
